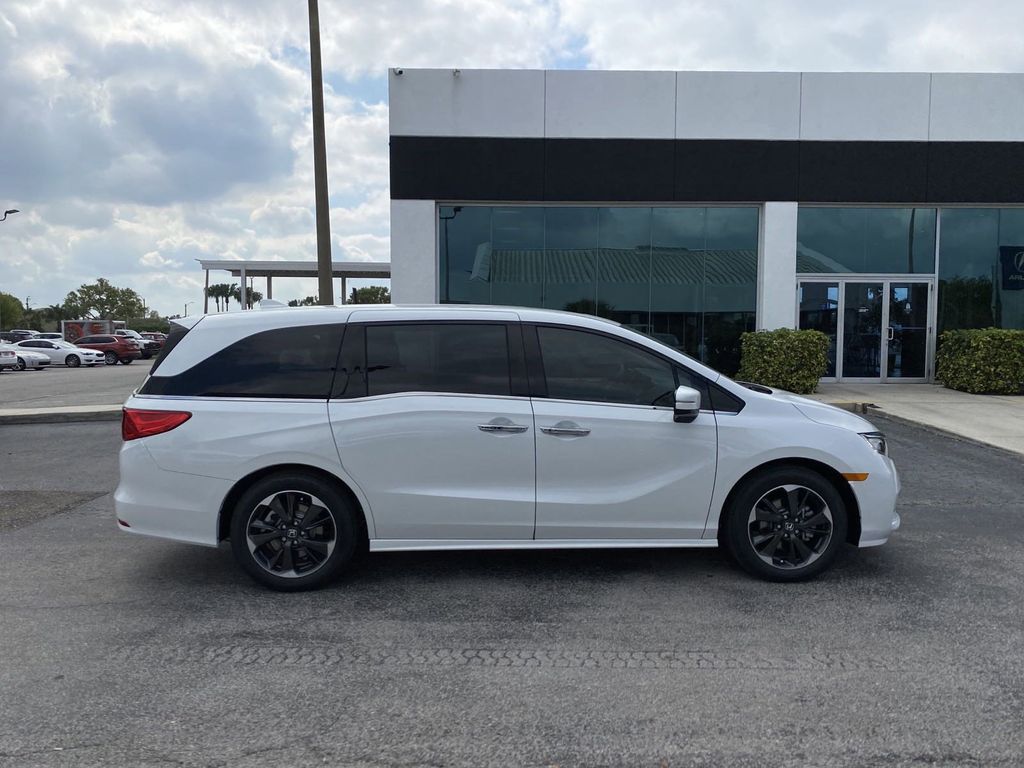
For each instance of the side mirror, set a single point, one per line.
(687, 405)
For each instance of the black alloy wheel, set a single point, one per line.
(293, 531)
(72, 361)
(785, 524)
(21, 364)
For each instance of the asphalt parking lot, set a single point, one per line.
(117, 650)
(58, 385)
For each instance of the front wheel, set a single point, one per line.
(785, 524)
(110, 358)
(72, 361)
(293, 531)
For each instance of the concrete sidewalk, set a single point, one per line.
(991, 419)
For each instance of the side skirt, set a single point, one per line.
(416, 545)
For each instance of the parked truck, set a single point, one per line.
(73, 330)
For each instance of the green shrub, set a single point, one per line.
(983, 361)
(784, 359)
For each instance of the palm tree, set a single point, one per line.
(220, 291)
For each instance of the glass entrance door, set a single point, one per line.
(878, 329)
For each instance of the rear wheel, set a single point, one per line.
(21, 364)
(72, 361)
(110, 358)
(785, 524)
(294, 531)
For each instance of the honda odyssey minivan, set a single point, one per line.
(305, 436)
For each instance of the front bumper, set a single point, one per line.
(876, 498)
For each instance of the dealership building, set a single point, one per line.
(881, 209)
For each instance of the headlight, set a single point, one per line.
(877, 440)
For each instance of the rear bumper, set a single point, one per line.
(150, 501)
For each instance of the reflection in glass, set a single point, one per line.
(515, 271)
(730, 283)
(624, 267)
(862, 330)
(819, 311)
(908, 330)
(688, 276)
(866, 240)
(570, 259)
(465, 244)
(677, 278)
(977, 267)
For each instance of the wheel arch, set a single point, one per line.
(840, 483)
(227, 506)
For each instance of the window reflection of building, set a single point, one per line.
(684, 275)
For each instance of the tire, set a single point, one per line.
(278, 559)
(796, 517)
(146, 355)
(110, 358)
(72, 361)
(21, 365)
(127, 361)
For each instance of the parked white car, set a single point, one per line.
(27, 358)
(51, 335)
(8, 358)
(306, 435)
(63, 352)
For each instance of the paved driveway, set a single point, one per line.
(124, 651)
(60, 386)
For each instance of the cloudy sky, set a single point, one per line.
(138, 136)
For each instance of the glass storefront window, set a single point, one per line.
(865, 240)
(981, 274)
(687, 276)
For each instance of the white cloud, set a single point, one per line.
(140, 137)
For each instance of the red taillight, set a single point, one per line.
(136, 423)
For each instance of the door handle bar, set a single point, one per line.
(565, 431)
(507, 428)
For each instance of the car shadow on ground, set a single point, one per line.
(376, 572)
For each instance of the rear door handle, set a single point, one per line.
(502, 425)
(566, 429)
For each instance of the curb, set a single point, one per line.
(61, 417)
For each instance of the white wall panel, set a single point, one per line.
(477, 102)
(604, 105)
(977, 108)
(854, 106)
(738, 105)
(413, 252)
(776, 270)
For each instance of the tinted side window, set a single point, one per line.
(284, 362)
(87, 340)
(437, 357)
(587, 366)
(725, 402)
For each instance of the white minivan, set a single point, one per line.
(305, 436)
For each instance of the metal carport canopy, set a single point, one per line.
(370, 269)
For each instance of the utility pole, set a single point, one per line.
(323, 206)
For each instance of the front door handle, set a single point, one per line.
(501, 425)
(566, 429)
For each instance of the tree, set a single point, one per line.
(104, 300)
(309, 301)
(221, 291)
(251, 295)
(372, 294)
(11, 311)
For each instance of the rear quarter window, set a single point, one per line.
(296, 362)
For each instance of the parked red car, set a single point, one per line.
(114, 348)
